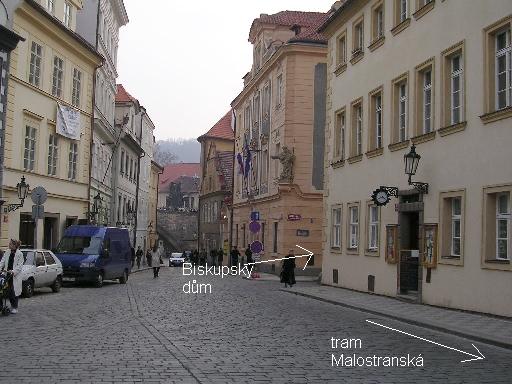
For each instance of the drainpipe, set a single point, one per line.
(138, 181)
(232, 204)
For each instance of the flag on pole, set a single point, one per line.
(240, 163)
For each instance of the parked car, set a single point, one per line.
(41, 269)
(93, 254)
(176, 259)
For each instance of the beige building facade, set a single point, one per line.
(154, 176)
(52, 67)
(279, 126)
(432, 74)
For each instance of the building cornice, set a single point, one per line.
(340, 16)
(39, 17)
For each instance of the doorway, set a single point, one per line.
(27, 227)
(50, 232)
(409, 252)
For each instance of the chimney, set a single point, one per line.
(295, 28)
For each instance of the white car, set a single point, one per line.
(176, 259)
(41, 269)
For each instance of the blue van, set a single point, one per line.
(94, 254)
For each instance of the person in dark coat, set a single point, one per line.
(148, 257)
(138, 255)
(220, 257)
(248, 255)
(235, 254)
(288, 270)
(202, 257)
(133, 256)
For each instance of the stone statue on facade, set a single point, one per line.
(287, 159)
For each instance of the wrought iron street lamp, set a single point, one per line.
(22, 189)
(412, 160)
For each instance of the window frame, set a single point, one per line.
(279, 92)
(357, 40)
(396, 128)
(505, 52)
(73, 161)
(378, 24)
(67, 14)
(446, 223)
(421, 90)
(53, 154)
(353, 224)
(340, 125)
(58, 77)
(29, 162)
(336, 226)
(456, 50)
(372, 249)
(357, 128)
(376, 119)
(489, 253)
(35, 63)
(503, 217)
(76, 92)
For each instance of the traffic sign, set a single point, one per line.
(255, 216)
(254, 226)
(37, 212)
(39, 195)
(256, 246)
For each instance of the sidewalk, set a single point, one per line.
(482, 328)
(271, 277)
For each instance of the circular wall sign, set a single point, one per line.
(256, 246)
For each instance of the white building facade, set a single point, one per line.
(435, 74)
(99, 23)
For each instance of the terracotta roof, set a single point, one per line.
(188, 183)
(225, 167)
(122, 96)
(221, 130)
(173, 171)
(309, 22)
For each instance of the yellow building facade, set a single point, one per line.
(280, 120)
(53, 67)
(154, 177)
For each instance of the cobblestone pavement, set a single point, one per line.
(243, 332)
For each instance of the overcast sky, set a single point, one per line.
(184, 60)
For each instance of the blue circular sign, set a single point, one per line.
(256, 246)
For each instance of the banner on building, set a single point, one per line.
(68, 122)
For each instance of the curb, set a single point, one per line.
(481, 339)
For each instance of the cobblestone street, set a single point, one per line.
(243, 332)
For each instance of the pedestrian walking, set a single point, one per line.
(138, 256)
(288, 270)
(155, 261)
(12, 262)
(202, 257)
(133, 256)
(213, 255)
(220, 257)
(248, 255)
(235, 254)
(148, 257)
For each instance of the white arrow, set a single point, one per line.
(480, 356)
(309, 255)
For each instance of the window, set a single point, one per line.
(353, 227)
(427, 101)
(373, 228)
(336, 228)
(122, 163)
(256, 116)
(456, 91)
(375, 133)
(275, 237)
(131, 169)
(257, 57)
(425, 98)
(358, 37)
(456, 226)
(73, 161)
(400, 109)
(52, 155)
(247, 119)
(77, 86)
(377, 21)
(341, 50)
(503, 226)
(503, 69)
(36, 54)
(357, 128)
(50, 6)
(339, 136)
(29, 156)
(279, 93)
(67, 14)
(403, 13)
(422, 3)
(127, 166)
(58, 73)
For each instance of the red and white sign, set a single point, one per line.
(294, 217)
